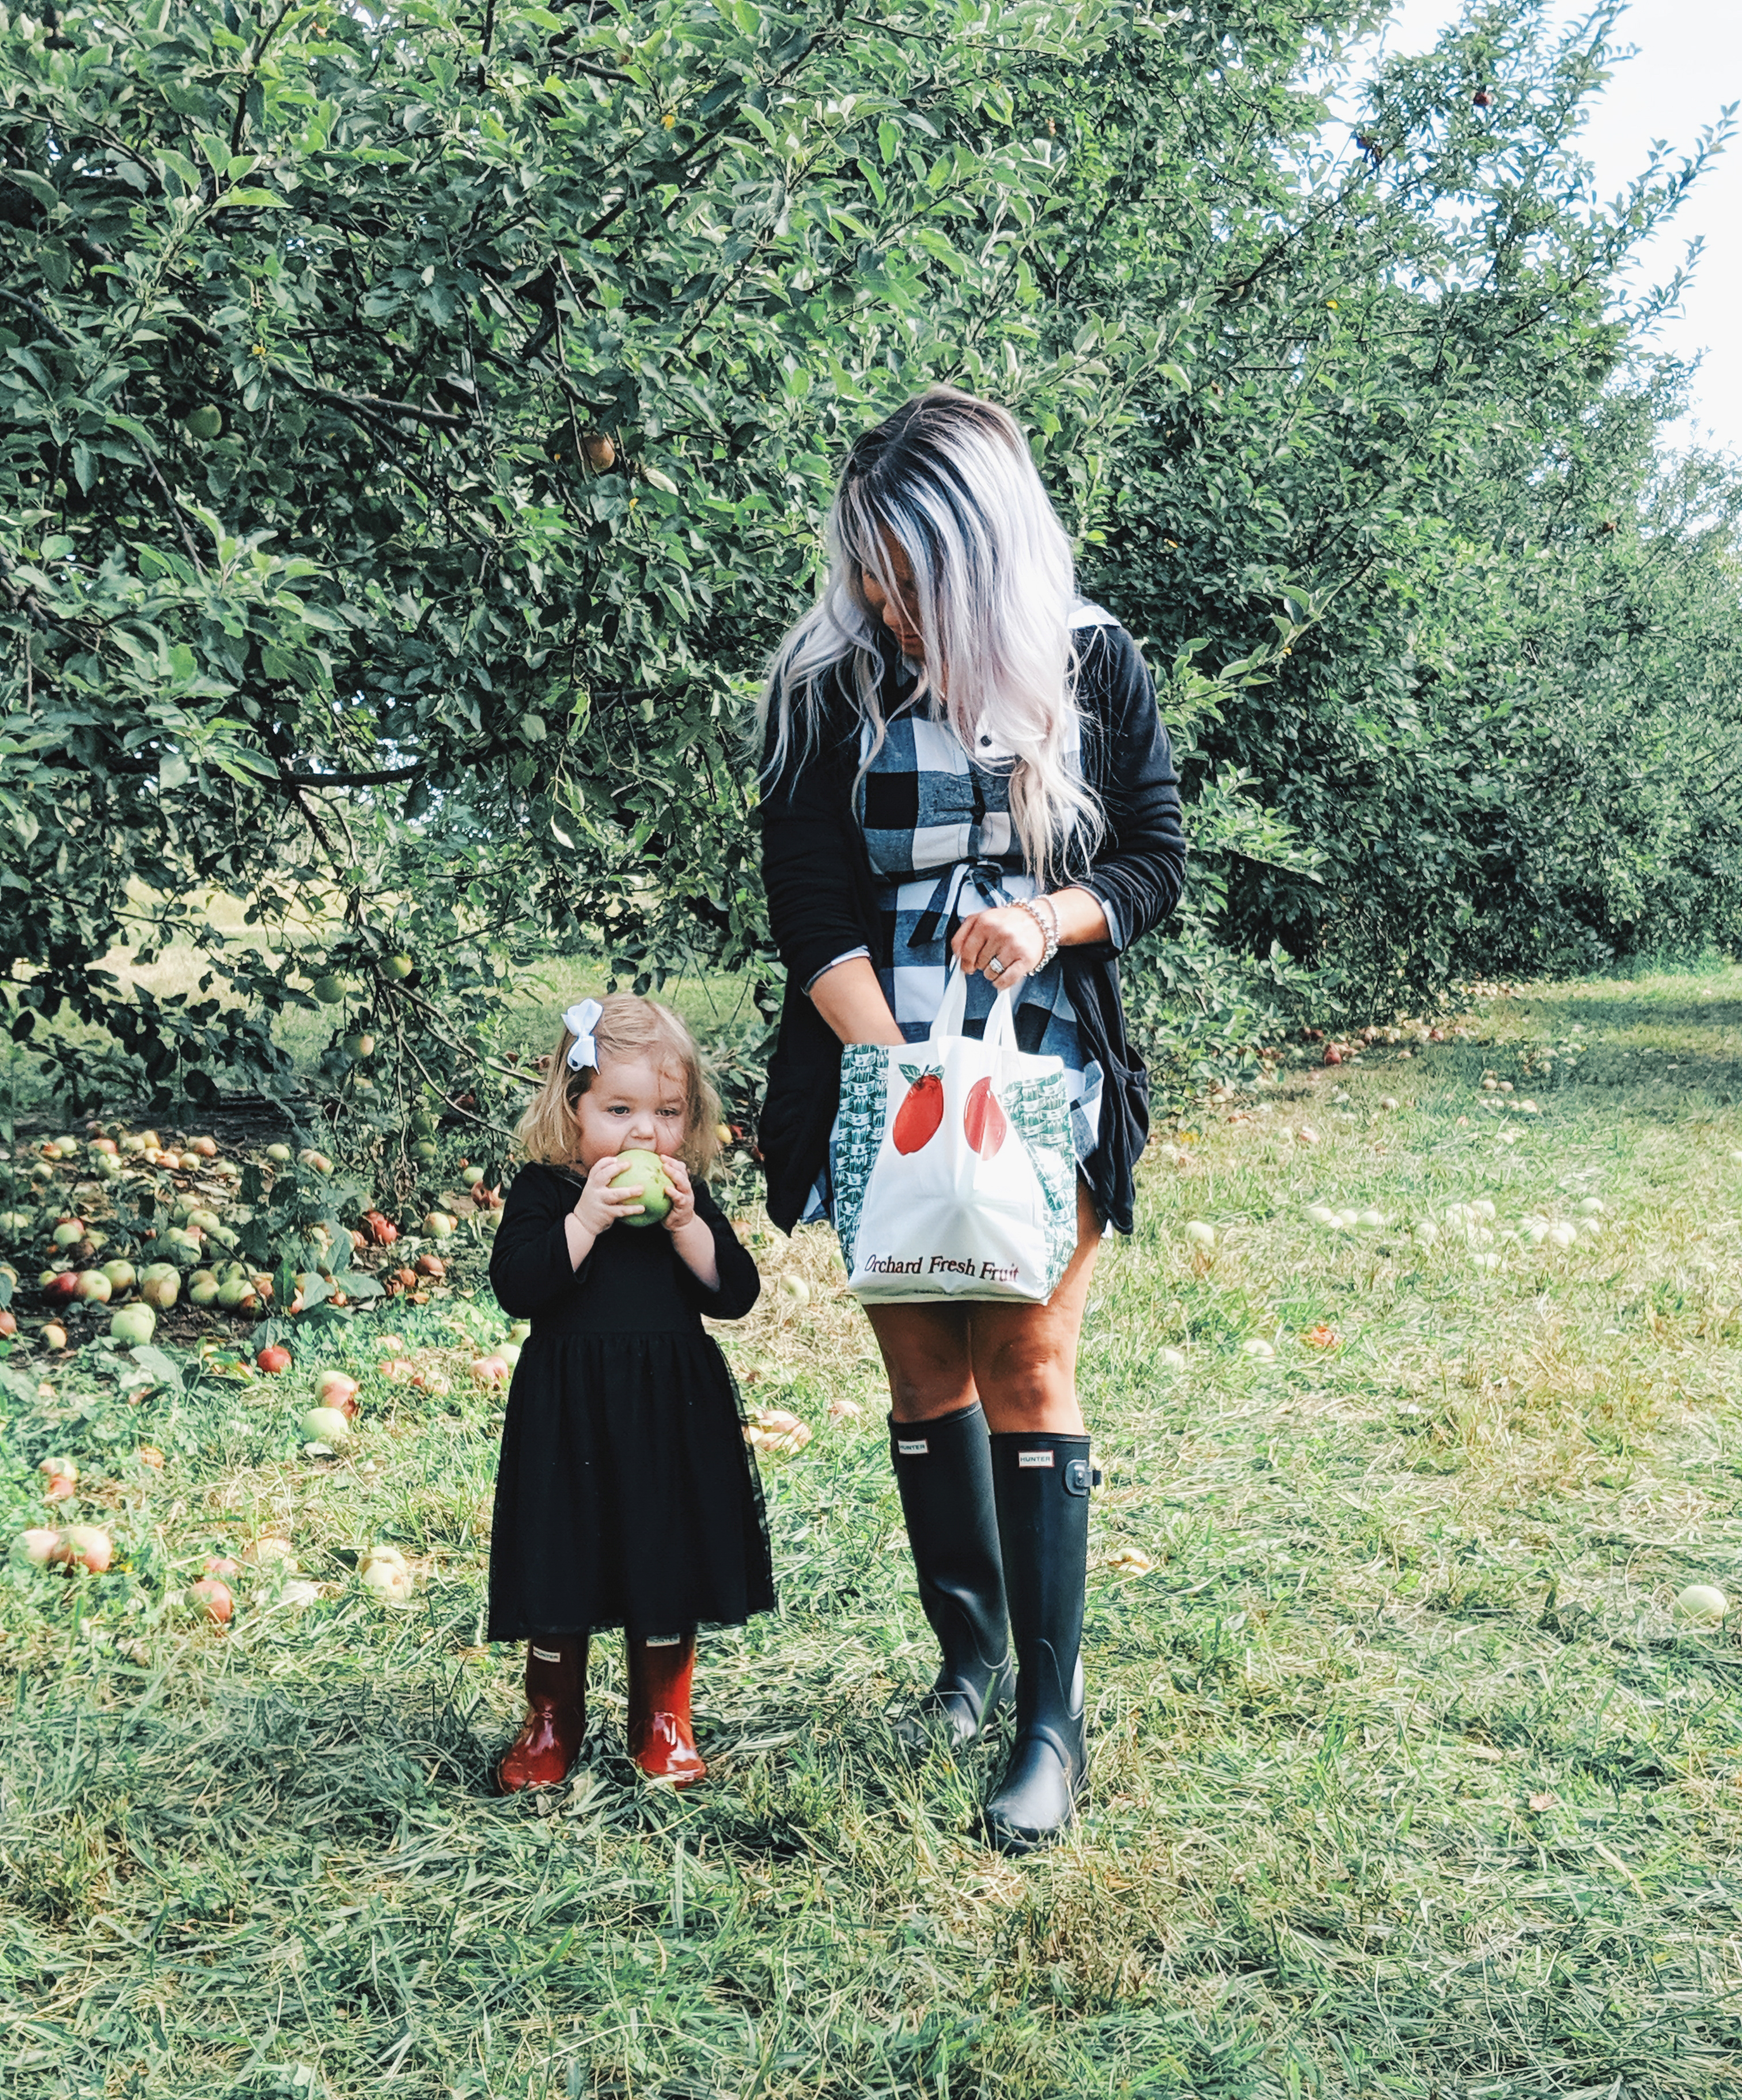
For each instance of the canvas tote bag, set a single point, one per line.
(954, 1171)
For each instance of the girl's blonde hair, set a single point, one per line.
(627, 1028)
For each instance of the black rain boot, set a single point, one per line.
(1043, 1483)
(944, 1471)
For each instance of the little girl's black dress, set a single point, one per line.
(625, 1495)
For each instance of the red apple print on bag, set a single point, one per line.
(983, 1120)
(920, 1115)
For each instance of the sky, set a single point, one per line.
(1688, 66)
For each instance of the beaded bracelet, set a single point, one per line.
(1049, 934)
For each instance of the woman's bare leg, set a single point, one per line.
(928, 1357)
(1023, 1358)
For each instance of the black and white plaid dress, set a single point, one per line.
(937, 824)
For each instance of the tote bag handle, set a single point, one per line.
(952, 1011)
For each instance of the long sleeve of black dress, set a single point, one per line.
(530, 1267)
(531, 1271)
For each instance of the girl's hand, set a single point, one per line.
(682, 1212)
(600, 1206)
(1005, 936)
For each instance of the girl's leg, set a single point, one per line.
(943, 1466)
(662, 1736)
(550, 1738)
(1025, 1360)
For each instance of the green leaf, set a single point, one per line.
(160, 1369)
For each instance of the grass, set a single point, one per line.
(1406, 1780)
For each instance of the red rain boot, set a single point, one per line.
(661, 1740)
(550, 1740)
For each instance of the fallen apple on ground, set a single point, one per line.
(383, 1570)
(273, 1358)
(332, 1388)
(134, 1324)
(83, 1546)
(213, 1598)
(160, 1286)
(326, 1425)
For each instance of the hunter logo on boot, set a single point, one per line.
(916, 1450)
(1034, 1457)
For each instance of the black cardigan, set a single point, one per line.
(822, 902)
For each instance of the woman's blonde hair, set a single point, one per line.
(627, 1028)
(949, 479)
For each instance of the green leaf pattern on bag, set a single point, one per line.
(858, 1134)
(1038, 1111)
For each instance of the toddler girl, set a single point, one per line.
(625, 1493)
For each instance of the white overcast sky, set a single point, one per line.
(1687, 66)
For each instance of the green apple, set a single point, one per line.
(134, 1324)
(639, 1174)
(280, 1155)
(122, 1276)
(359, 1046)
(1702, 1605)
(326, 1425)
(438, 1225)
(399, 968)
(203, 425)
(329, 990)
(160, 1286)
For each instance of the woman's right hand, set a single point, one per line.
(600, 1206)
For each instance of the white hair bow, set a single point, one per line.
(580, 1021)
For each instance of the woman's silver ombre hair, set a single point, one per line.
(948, 479)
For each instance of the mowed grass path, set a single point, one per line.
(1406, 1780)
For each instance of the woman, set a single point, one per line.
(963, 762)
